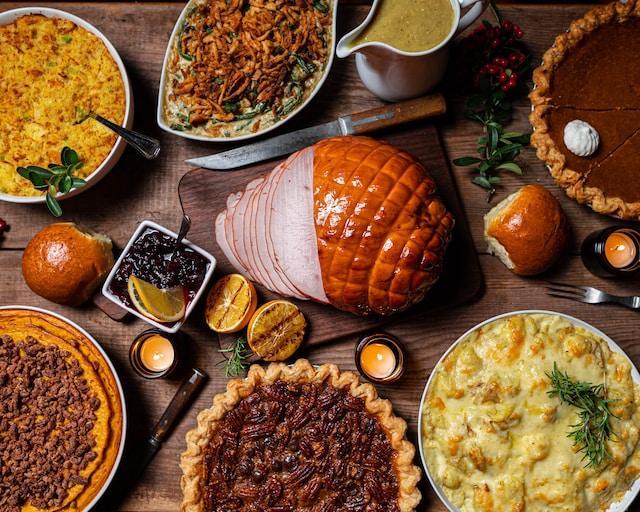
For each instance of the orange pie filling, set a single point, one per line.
(592, 74)
(60, 415)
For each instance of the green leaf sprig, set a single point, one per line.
(497, 151)
(57, 178)
(495, 61)
(236, 365)
(593, 428)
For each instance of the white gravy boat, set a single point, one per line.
(395, 75)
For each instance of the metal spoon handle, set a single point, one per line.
(147, 146)
(184, 229)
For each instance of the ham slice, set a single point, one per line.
(293, 229)
(350, 221)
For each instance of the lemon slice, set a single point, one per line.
(276, 330)
(162, 305)
(230, 304)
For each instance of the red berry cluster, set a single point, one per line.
(494, 54)
(3, 226)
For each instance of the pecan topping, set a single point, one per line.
(300, 447)
(46, 418)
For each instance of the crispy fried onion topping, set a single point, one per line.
(241, 58)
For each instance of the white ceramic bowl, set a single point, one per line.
(118, 148)
(620, 506)
(162, 123)
(123, 404)
(171, 328)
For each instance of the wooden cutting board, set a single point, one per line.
(204, 193)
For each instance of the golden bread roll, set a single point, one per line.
(65, 264)
(528, 231)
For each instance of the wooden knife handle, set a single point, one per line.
(394, 114)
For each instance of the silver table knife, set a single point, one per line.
(355, 124)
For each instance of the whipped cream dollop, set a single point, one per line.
(581, 138)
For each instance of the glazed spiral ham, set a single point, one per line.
(349, 221)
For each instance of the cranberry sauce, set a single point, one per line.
(149, 258)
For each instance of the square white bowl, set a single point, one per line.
(145, 224)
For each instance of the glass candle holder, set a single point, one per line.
(380, 358)
(612, 252)
(154, 354)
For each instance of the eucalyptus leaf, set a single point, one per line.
(68, 156)
(466, 160)
(65, 184)
(511, 167)
(482, 182)
(78, 182)
(39, 171)
(53, 205)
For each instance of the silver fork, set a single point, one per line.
(590, 295)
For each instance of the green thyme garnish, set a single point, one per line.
(236, 364)
(58, 178)
(593, 428)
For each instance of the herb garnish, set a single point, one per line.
(58, 178)
(236, 364)
(593, 429)
(495, 61)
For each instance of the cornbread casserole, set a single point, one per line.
(237, 67)
(61, 417)
(50, 67)
(494, 440)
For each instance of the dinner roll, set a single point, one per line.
(528, 230)
(65, 263)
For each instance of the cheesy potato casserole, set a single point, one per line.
(50, 68)
(495, 440)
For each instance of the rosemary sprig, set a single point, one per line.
(58, 178)
(593, 428)
(236, 364)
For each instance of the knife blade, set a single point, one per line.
(354, 124)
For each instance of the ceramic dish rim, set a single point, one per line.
(114, 373)
(119, 145)
(619, 506)
(163, 85)
(173, 328)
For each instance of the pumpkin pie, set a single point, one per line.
(61, 418)
(299, 438)
(592, 74)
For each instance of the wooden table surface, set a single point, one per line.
(137, 190)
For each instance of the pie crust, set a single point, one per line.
(301, 372)
(547, 150)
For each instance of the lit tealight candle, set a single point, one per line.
(620, 250)
(156, 353)
(377, 360)
(380, 358)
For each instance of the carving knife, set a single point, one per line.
(355, 124)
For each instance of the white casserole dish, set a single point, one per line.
(621, 506)
(119, 146)
(123, 405)
(171, 328)
(160, 117)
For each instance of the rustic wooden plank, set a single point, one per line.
(137, 189)
(159, 491)
(204, 195)
(148, 189)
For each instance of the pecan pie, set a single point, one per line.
(60, 415)
(592, 74)
(299, 439)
